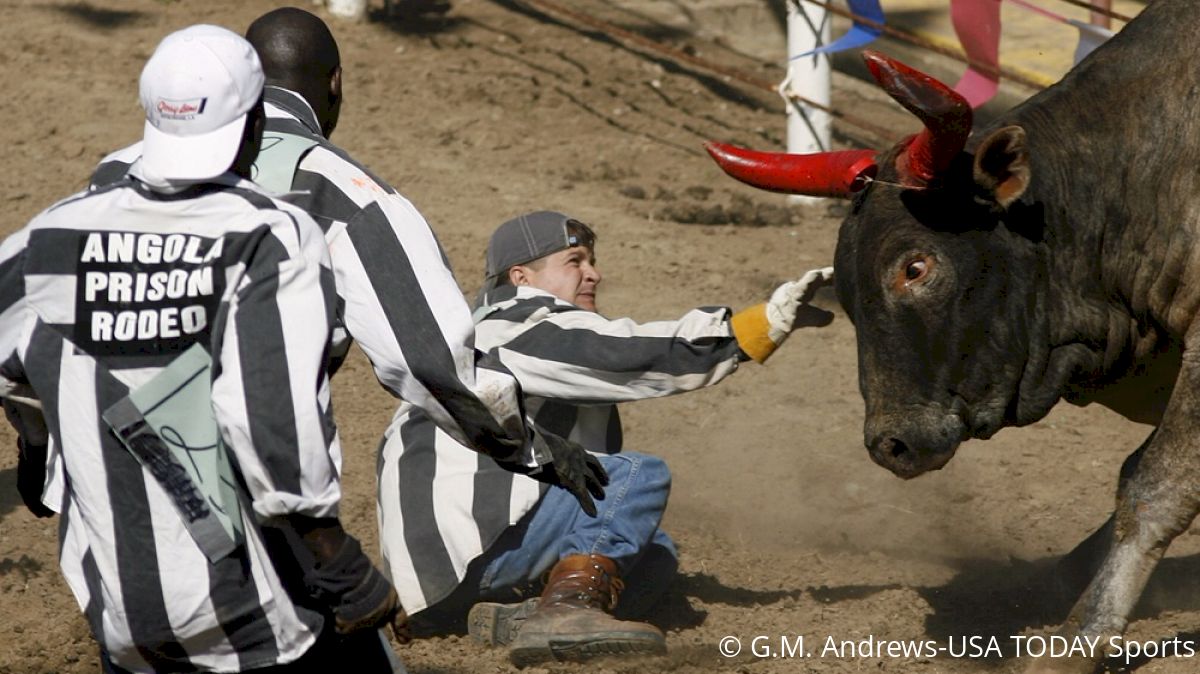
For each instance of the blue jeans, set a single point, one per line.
(625, 530)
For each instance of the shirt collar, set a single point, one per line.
(493, 295)
(162, 185)
(293, 104)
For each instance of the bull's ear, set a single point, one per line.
(1002, 165)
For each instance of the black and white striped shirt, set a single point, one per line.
(397, 295)
(97, 295)
(441, 506)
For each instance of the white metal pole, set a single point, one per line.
(808, 128)
(355, 10)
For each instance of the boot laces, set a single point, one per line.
(595, 588)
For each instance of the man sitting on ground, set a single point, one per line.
(457, 530)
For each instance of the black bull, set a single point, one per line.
(1051, 255)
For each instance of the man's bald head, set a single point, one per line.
(299, 53)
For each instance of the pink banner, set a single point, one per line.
(977, 23)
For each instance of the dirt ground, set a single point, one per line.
(785, 526)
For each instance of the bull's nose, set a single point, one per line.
(897, 456)
(890, 447)
(889, 452)
(914, 440)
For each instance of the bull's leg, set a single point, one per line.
(1156, 504)
(1078, 567)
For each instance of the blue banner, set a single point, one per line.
(859, 34)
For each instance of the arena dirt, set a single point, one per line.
(785, 526)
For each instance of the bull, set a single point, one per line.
(1050, 255)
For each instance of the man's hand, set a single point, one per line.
(371, 605)
(31, 477)
(33, 441)
(28, 422)
(342, 577)
(761, 328)
(789, 306)
(400, 627)
(366, 608)
(571, 468)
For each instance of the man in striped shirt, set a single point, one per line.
(164, 344)
(397, 296)
(457, 530)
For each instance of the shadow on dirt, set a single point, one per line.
(97, 17)
(423, 23)
(24, 566)
(833, 595)
(996, 598)
(1007, 598)
(709, 589)
(675, 611)
(713, 83)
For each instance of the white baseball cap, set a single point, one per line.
(196, 89)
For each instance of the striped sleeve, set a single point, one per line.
(12, 293)
(405, 309)
(582, 357)
(114, 166)
(271, 395)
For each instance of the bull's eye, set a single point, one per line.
(914, 271)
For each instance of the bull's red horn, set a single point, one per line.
(823, 174)
(946, 114)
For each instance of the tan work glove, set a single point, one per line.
(760, 329)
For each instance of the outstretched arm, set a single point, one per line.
(560, 351)
(408, 314)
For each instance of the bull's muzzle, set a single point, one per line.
(910, 444)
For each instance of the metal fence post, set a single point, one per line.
(808, 128)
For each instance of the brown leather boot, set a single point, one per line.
(572, 620)
(495, 624)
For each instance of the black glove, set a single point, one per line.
(571, 468)
(343, 578)
(371, 605)
(31, 476)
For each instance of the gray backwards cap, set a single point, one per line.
(528, 237)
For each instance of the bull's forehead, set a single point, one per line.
(879, 228)
(890, 216)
